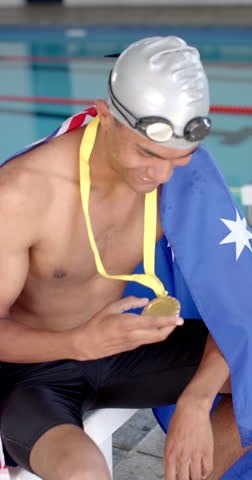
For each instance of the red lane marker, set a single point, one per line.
(50, 100)
(234, 109)
(44, 58)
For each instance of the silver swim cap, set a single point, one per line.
(158, 88)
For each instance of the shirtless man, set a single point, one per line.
(66, 343)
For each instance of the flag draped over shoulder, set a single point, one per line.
(211, 244)
(79, 120)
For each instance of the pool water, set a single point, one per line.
(69, 63)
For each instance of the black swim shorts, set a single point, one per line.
(38, 397)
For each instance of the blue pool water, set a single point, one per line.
(69, 63)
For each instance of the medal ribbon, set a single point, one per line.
(148, 279)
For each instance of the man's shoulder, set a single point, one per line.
(28, 181)
(24, 192)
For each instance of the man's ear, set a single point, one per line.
(103, 112)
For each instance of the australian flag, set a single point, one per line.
(206, 262)
(211, 243)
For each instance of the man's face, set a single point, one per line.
(140, 162)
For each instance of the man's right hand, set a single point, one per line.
(111, 331)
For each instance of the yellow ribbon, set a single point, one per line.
(148, 279)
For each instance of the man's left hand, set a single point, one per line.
(189, 444)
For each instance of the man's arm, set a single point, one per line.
(21, 344)
(189, 443)
(108, 332)
(21, 213)
(210, 377)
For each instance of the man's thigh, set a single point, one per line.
(39, 397)
(42, 396)
(152, 375)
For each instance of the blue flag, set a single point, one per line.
(241, 470)
(205, 260)
(211, 244)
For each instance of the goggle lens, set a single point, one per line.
(159, 132)
(197, 129)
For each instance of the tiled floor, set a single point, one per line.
(138, 449)
(145, 461)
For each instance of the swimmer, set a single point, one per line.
(71, 336)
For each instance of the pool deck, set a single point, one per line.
(193, 15)
(138, 445)
(138, 449)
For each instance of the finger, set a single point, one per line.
(170, 471)
(183, 471)
(166, 331)
(152, 335)
(161, 321)
(127, 303)
(148, 322)
(206, 467)
(195, 469)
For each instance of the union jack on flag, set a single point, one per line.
(79, 120)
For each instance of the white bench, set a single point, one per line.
(99, 425)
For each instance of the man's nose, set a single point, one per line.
(160, 174)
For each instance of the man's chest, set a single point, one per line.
(65, 251)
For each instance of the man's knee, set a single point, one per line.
(68, 468)
(67, 453)
(83, 473)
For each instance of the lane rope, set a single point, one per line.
(47, 59)
(66, 59)
(48, 100)
(233, 109)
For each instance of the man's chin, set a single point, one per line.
(145, 188)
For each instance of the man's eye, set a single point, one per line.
(144, 154)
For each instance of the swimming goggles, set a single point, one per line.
(158, 128)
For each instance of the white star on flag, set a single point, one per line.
(238, 234)
(172, 253)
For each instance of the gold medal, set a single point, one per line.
(163, 306)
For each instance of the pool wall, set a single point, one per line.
(93, 3)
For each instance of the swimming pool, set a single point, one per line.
(47, 68)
